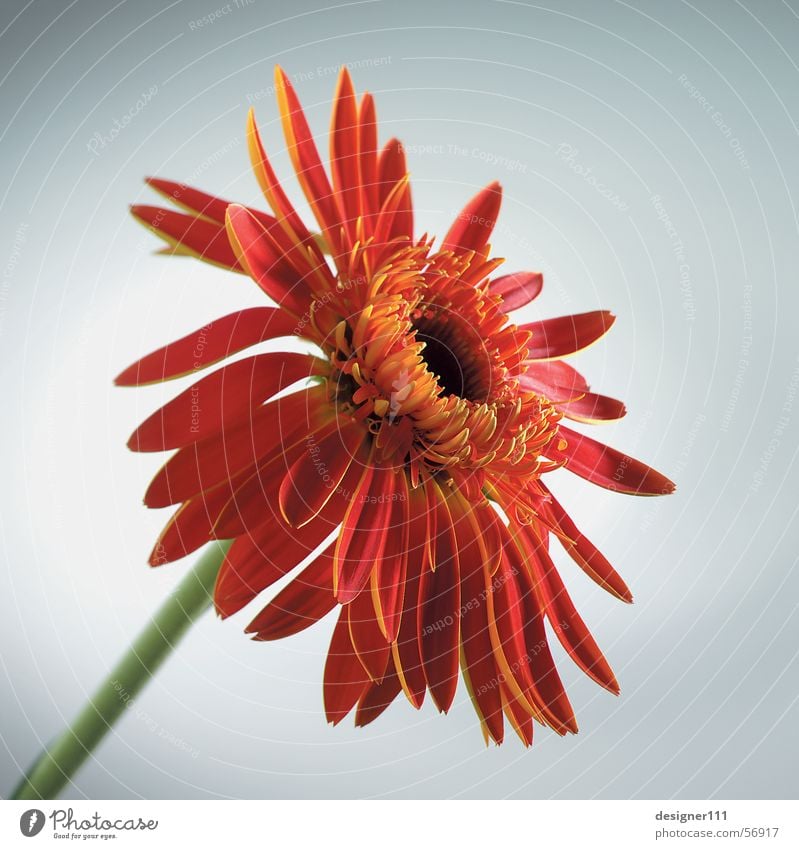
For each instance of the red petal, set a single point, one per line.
(367, 143)
(368, 640)
(364, 531)
(477, 659)
(388, 575)
(407, 657)
(392, 169)
(473, 226)
(218, 339)
(439, 598)
(517, 289)
(198, 237)
(257, 560)
(592, 409)
(305, 158)
(344, 163)
(266, 436)
(313, 479)
(192, 200)
(220, 399)
(564, 618)
(559, 337)
(584, 553)
(190, 527)
(553, 379)
(605, 466)
(300, 604)
(256, 252)
(377, 697)
(345, 678)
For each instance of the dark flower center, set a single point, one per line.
(456, 354)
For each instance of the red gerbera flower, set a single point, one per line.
(414, 459)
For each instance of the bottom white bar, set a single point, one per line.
(390, 824)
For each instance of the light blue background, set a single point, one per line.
(649, 157)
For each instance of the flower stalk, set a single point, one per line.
(57, 765)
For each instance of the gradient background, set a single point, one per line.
(685, 226)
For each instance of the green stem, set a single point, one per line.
(56, 766)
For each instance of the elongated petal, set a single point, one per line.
(189, 234)
(406, 651)
(220, 399)
(593, 409)
(369, 642)
(300, 604)
(307, 163)
(559, 337)
(391, 170)
(440, 601)
(344, 164)
(313, 479)
(377, 697)
(256, 253)
(389, 573)
(191, 199)
(364, 531)
(517, 290)
(477, 653)
(584, 553)
(563, 616)
(605, 466)
(554, 379)
(268, 433)
(206, 346)
(258, 559)
(345, 678)
(473, 227)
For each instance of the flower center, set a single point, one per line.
(455, 353)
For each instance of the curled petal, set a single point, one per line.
(559, 337)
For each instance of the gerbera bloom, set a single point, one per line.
(404, 460)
